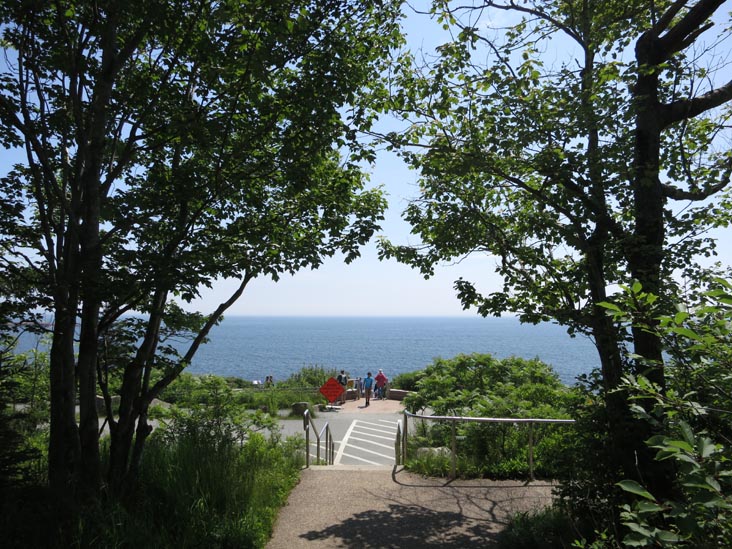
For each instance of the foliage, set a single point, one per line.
(550, 528)
(692, 418)
(13, 455)
(212, 406)
(483, 386)
(204, 483)
(466, 384)
(190, 390)
(309, 376)
(580, 144)
(407, 381)
(210, 491)
(23, 417)
(511, 164)
(161, 146)
(587, 472)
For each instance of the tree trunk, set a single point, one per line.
(621, 423)
(131, 400)
(63, 447)
(90, 478)
(645, 253)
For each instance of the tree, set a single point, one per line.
(167, 144)
(589, 150)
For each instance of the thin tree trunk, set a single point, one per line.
(63, 447)
(130, 397)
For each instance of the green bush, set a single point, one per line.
(407, 381)
(308, 376)
(482, 386)
(200, 485)
(691, 419)
(550, 528)
(193, 390)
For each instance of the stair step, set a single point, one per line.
(346, 467)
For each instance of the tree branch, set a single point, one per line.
(688, 27)
(670, 191)
(689, 108)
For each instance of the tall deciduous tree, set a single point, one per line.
(162, 145)
(584, 145)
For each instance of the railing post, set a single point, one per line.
(332, 450)
(404, 439)
(531, 450)
(398, 445)
(454, 450)
(317, 452)
(306, 426)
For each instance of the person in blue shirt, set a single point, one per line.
(368, 384)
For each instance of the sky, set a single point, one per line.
(368, 286)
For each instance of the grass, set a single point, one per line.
(550, 528)
(198, 487)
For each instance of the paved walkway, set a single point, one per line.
(375, 506)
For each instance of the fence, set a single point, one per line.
(403, 431)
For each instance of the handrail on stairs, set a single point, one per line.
(324, 435)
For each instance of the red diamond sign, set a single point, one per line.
(331, 390)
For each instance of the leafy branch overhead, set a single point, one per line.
(160, 146)
(583, 146)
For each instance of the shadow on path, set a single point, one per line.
(391, 508)
(405, 527)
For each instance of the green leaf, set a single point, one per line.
(644, 507)
(706, 447)
(682, 444)
(635, 540)
(634, 488)
(668, 537)
(686, 332)
(687, 432)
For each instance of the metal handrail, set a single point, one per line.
(398, 445)
(324, 433)
(455, 419)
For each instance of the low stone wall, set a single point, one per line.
(393, 394)
(397, 394)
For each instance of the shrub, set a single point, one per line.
(691, 418)
(482, 386)
(308, 376)
(407, 381)
(550, 528)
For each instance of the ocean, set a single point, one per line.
(255, 347)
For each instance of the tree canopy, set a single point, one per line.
(159, 146)
(584, 144)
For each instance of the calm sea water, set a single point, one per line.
(255, 347)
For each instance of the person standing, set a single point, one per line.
(343, 380)
(381, 381)
(368, 385)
